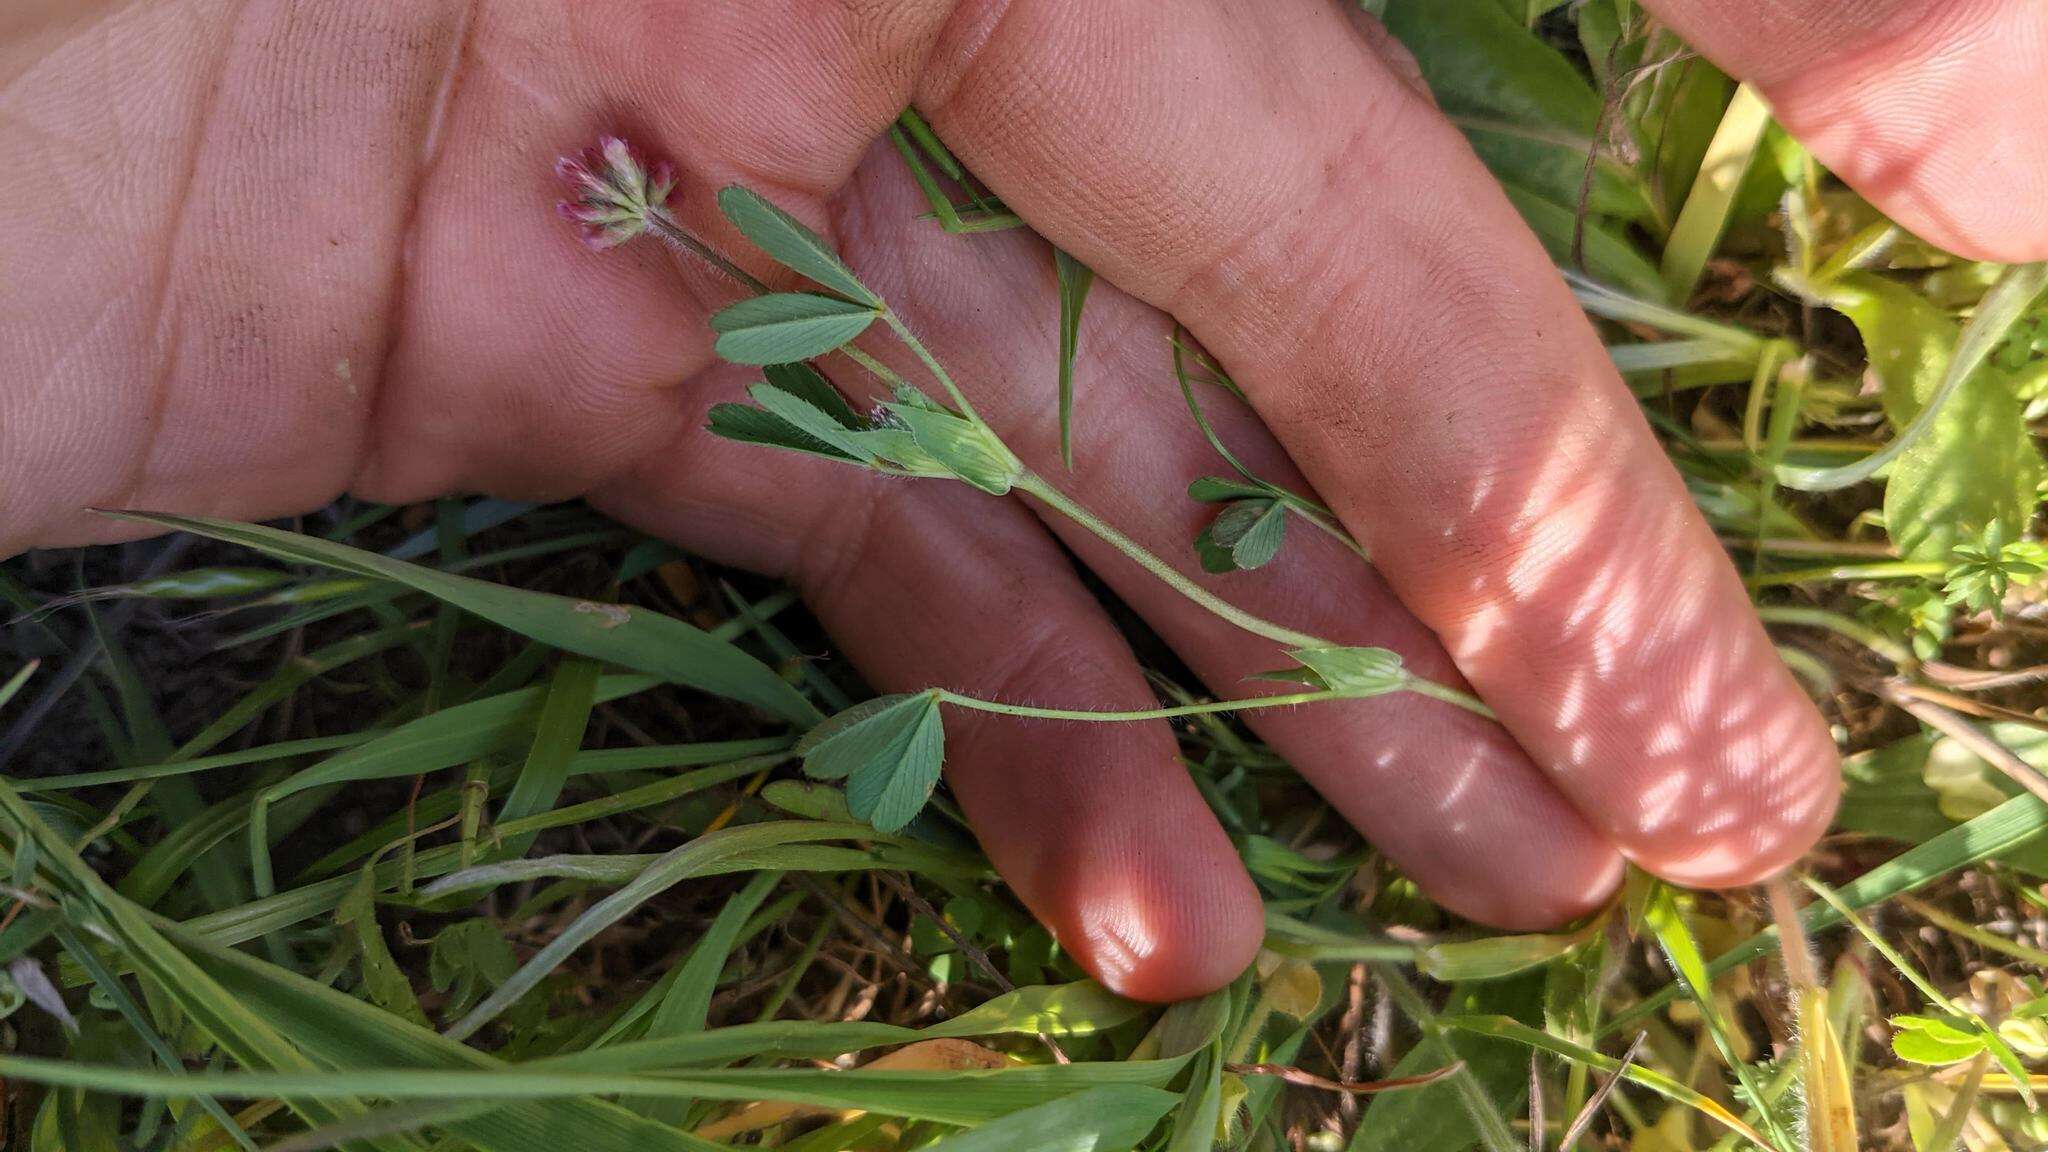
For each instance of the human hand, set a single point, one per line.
(259, 258)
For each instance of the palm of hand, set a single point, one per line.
(275, 254)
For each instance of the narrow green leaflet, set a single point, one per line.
(783, 327)
(1667, 923)
(628, 637)
(793, 246)
(834, 749)
(889, 750)
(809, 385)
(912, 435)
(811, 421)
(1075, 278)
(1109, 1119)
(1223, 490)
(747, 424)
(803, 414)
(1358, 671)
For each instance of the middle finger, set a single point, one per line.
(1446, 794)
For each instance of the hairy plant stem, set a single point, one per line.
(663, 224)
(1030, 712)
(1036, 485)
(1447, 694)
(931, 364)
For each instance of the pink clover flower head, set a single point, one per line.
(613, 191)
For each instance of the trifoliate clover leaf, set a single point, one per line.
(889, 750)
(799, 411)
(1252, 530)
(1214, 557)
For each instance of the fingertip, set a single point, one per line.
(1165, 930)
(1928, 108)
(1566, 887)
(1775, 829)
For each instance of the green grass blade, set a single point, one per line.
(1098, 1120)
(15, 682)
(1701, 221)
(1675, 937)
(2003, 828)
(964, 1097)
(1508, 1028)
(241, 1032)
(442, 740)
(628, 637)
(557, 736)
(111, 987)
(673, 868)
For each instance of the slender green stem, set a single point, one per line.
(1319, 516)
(1841, 625)
(665, 226)
(1492, 1128)
(1027, 711)
(882, 372)
(1448, 695)
(1887, 570)
(1037, 486)
(931, 363)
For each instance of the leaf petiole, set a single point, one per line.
(1029, 712)
(1036, 485)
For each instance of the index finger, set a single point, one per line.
(1255, 169)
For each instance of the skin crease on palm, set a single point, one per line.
(258, 254)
